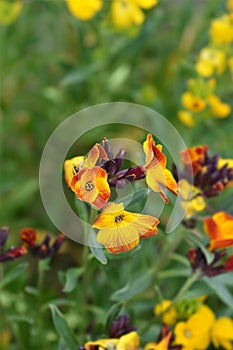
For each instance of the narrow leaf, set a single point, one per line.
(65, 333)
(14, 273)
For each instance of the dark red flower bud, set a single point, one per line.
(13, 254)
(29, 236)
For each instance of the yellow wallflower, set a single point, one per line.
(192, 103)
(211, 61)
(71, 167)
(163, 344)
(125, 13)
(192, 200)
(196, 331)
(221, 30)
(129, 341)
(170, 316)
(222, 333)
(84, 10)
(186, 118)
(9, 11)
(218, 108)
(120, 230)
(224, 161)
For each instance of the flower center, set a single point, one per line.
(187, 333)
(89, 186)
(119, 218)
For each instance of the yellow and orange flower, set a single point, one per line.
(192, 103)
(219, 228)
(162, 345)
(192, 158)
(129, 341)
(192, 199)
(71, 167)
(155, 167)
(120, 230)
(91, 185)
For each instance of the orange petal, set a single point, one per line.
(70, 165)
(145, 225)
(120, 239)
(170, 182)
(94, 154)
(148, 148)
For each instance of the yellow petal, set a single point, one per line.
(117, 240)
(128, 341)
(146, 4)
(9, 11)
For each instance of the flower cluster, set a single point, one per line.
(29, 239)
(202, 177)
(92, 177)
(195, 329)
(124, 13)
(201, 99)
(195, 325)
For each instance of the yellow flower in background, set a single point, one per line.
(84, 10)
(218, 108)
(224, 161)
(129, 341)
(71, 167)
(170, 316)
(221, 30)
(222, 333)
(192, 103)
(120, 230)
(9, 11)
(195, 333)
(186, 118)
(126, 13)
(192, 200)
(229, 5)
(210, 61)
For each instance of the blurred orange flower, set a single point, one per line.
(121, 230)
(155, 167)
(192, 158)
(219, 228)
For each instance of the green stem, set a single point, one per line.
(185, 287)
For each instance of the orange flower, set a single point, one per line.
(162, 345)
(29, 236)
(91, 185)
(219, 228)
(71, 167)
(192, 158)
(155, 167)
(121, 230)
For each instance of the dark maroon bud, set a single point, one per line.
(4, 231)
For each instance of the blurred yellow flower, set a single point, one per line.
(229, 5)
(211, 61)
(125, 13)
(221, 30)
(192, 200)
(170, 316)
(129, 341)
(224, 161)
(84, 10)
(163, 344)
(9, 11)
(218, 108)
(222, 333)
(186, 118)
(192, 103)
(196, 331)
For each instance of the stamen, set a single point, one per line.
(119, 218)
(187, 333)
(89, 186)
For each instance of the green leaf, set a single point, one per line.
(217, 285)
(71, 278)
(12, 274)
(113, 313)
(137, 284)
(96, 248)
(18, 318)
(65, 333)
(82, 209)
